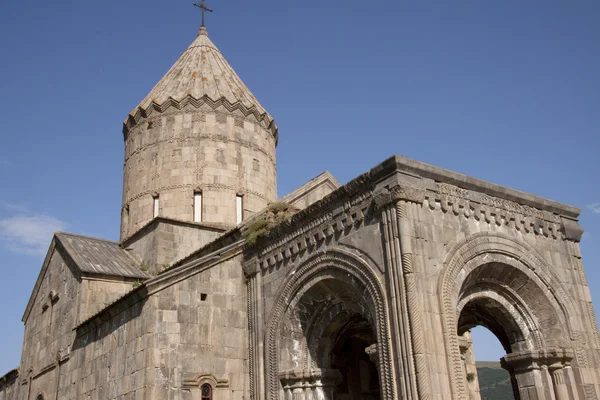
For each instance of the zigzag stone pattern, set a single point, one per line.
(199, 131)
(202, 74)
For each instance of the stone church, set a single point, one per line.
(219, 290)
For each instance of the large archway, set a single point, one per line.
(327, 334)
(502, 286)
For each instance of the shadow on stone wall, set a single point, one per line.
(122, 320)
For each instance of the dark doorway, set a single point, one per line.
(360, 377)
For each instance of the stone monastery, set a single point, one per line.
(218, 290)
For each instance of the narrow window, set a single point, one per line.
(156, 206)
(197, 206)
(239, 208)
(206, 392)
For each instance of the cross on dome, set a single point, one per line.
(203, 7)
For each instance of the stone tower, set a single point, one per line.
(199, 149)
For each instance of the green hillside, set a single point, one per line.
(494, 382)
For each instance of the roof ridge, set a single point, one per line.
(76, 235)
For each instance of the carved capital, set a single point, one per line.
(408, 193)
(525, 360)
(571, 229)
(373, 354)
(381, 198)
(316, 377)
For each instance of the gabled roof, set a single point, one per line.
(202, 72)
(90, 256)
(98, 256)
(324, 181)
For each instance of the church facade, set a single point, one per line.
(219, 290)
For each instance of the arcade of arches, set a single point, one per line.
(338, 332)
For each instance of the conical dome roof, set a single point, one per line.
(202, 72)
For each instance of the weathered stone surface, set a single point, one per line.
(368, 291)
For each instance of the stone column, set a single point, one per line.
(402, 194)
(256, 324)
(466, 349)
(540, 374)
(310, 384)
(558, 380)
(397, 298)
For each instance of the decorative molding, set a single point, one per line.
(137, 115)
(552, 358)
(492, 210)
(196, 381)
(213, 138)
(194, 185)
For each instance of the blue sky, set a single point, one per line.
(505, 91)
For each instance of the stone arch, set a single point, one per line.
(344, 267)
(463, 281)
(512, 314)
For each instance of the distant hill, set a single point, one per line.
(494, 382)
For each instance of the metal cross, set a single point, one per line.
(203, 7)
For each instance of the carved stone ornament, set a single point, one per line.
(196, 381)
(536, 358)
(381, 198)
(408, 193)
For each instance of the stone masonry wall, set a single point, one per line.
(97, 293)
(181, 151)
(164, 242)
(163, 346)
(9, 386)
(201, 331)
(48, 330)
(112, 360)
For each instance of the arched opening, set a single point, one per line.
(328, 342)
(481, 351)
(494, 281)
(504, 300)
(494, 381)
(206, 392)
(360, 379)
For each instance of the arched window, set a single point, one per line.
(40, 397)
(206, 392)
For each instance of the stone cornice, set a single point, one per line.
(428, 174)
(140, 113)
(537, 358)
(481, 206)
(399, 178)
(337, 214)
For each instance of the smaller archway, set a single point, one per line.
(331, 302)
(323, 344)
(500, 296)
(491, 268)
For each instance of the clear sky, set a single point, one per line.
(504, 91)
